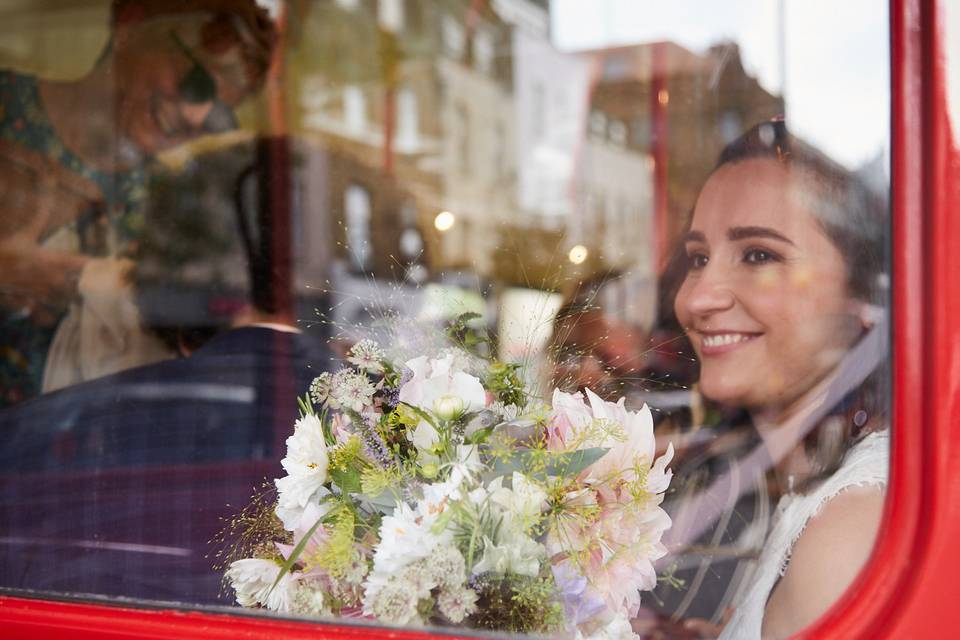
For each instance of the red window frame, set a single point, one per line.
(908, 586)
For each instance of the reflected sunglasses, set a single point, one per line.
(198, 87)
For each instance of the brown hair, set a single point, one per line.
(233, 22)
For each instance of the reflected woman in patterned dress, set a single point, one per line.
(72, 158)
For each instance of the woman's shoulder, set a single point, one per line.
(826, 559)
(835, 542)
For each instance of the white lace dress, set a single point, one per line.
(867, 463)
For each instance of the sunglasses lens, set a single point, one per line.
(197, 86)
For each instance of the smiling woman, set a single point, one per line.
(781, 283)
(765, 287)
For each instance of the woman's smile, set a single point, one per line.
(716, 343)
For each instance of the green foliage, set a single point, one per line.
(338, 554)
(349, 480)
(306, 407)
(294, 555)
(504, 381)
(517, 604)
(540, 463)
(477, 342)
(374, 481)
(347, 455)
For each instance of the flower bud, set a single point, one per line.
(448, 407)
(429, 470)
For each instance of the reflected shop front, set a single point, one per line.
(511, 316)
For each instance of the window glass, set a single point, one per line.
(326, 308)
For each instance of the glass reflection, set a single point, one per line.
(169, 293)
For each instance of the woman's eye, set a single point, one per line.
(697, 261)
(759, 256)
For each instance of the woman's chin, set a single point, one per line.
(725, 393)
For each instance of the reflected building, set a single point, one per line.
(680, 109)
(463, 146)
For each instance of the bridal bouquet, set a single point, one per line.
(437, 491)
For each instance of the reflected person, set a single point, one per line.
(784, 280)
(72, 156)
(115, 486)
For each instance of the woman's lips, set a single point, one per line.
(716, 343)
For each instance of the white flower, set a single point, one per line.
(436, 496)
(405, 537)
(424, 437)
(447, 567)
(308, 599)
(521, 505)
(306, 464)
(395, 603)
(467, 465)
(367, 355)
(433, 379)
(519, 554)
(457, 604)
(617, 629)
(350, 390)
(298, 518)
(478, 496)
(253, 578)
(448, 407)
(461, 360)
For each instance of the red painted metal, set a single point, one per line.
(659, 144)
(27, 619)
(907, 589)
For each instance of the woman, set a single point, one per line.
(72, 179)
(784, 259)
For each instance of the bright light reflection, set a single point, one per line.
(444, 221)
(578, 254)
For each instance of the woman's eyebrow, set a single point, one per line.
(693, 236)
(742, 233)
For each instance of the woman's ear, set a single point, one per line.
(868, 314)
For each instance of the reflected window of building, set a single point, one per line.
(598, 125)
(617, 133)
(354, 108)
(357, 210)
(408, 120)
(464, 149)
(454, 39)
(483, 51)
(390, 14)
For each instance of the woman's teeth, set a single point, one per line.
(719, 340)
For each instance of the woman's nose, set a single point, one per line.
(709, 292)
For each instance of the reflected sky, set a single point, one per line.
(833, 64)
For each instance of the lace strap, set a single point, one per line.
(866, 464)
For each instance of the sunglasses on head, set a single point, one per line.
(198, 87)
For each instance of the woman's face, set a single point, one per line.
(765, 301)
(151, 60)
